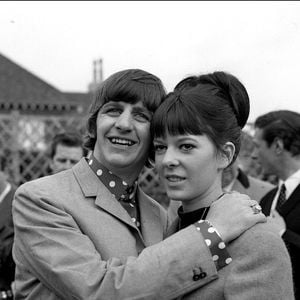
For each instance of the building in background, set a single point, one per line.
(32, 111)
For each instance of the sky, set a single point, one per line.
(257, 41)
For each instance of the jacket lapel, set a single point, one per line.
(152, 227)
(290, 203)
(92, 187)
(108, 202)
(86, 178)
(174, 227)
(267, 200)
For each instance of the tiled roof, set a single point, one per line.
(82, 99)
(23, 89)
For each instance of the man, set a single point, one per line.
(66, 150)
(245, 160)
(235, 179)
(7, 266)
(238, 176)
(277, 140)
(91, 233)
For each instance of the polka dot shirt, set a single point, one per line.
(121, 191)
(212, 239)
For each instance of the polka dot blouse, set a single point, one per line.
(212, 239)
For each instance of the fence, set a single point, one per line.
(24, 142)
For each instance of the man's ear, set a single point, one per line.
(278, 145)
(227, 154)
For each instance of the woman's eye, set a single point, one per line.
(187, 147)
(159, 148)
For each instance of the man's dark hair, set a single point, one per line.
(282, 124)
(68, 139)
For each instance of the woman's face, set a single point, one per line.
(189, 167)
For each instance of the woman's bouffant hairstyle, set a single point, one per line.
(129, 86)
(215, 104)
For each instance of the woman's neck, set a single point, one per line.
(202, 200)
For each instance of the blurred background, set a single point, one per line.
(53, 54)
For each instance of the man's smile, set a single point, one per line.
(121, 141)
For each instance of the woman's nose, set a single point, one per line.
(170, 160)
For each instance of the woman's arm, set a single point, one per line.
(261, 268)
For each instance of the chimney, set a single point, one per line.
(97, 75)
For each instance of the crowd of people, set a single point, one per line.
(89, 231)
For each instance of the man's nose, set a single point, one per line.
(68, 164)
(254, 154)
(124, 121)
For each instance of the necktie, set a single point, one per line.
(282, 196)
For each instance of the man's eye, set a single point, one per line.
(113, 111)
(142, 117)
(62, 160)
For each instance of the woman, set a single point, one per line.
(196, 136)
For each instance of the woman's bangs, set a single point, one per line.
(174, 118)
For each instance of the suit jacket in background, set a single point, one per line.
(7, 265)
(253, 187)
(74, 240)
(290, 211)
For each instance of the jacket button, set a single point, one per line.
(199, 276)
(196, 277)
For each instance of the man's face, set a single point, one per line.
(65, 157)
(248, 164)
(264, 154)
(123, 136)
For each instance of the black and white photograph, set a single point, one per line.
(149, 150)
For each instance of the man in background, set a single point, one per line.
(66, 150)
(7, 266)
(241, 176)
(277, 140)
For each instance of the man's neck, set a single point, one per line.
(128, 174)
(288, 167)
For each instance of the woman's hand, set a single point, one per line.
(232, 214)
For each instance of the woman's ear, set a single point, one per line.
(227, 154)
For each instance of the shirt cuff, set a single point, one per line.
(215, 244)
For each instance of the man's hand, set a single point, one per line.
(232, 214)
